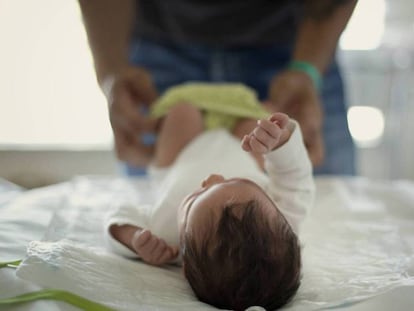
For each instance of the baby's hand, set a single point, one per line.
(268, 135)
(152, 249)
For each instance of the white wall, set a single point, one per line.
(384, 78)
(42, 167)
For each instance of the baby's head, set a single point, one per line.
(238, 249)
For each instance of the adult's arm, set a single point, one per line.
(293, 91)
(109, 25)
(320, 30)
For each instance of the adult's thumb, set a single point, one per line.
(280, 93)
(143, 86)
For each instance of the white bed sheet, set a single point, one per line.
(378, 216)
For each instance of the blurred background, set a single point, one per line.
(48, 92)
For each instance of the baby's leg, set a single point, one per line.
(244, 127)
(182, 123)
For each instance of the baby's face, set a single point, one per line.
(200, 211)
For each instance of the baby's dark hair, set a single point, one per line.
(249, 261)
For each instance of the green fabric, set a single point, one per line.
(52, 294)
(222, 103)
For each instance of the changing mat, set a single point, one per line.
(358, 242)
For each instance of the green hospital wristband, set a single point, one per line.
(309, 69)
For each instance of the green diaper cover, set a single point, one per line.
(222, 103)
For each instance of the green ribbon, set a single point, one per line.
(10, 264)
(51, 294)
(60, 295)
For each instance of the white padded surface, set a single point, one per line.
(358, 243)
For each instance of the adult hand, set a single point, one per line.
(127, 94)
(293, 93)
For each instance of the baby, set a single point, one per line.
(236, 234)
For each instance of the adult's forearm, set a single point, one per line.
(108, 25)
(318, 35)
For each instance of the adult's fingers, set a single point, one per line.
(316, 150)
(125, 112)
(128, 95)
(128, 148)
(140, 82)
(311, 124)
(280, 93)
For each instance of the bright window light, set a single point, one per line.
(366, 27)
(366, 125)
(48, 91)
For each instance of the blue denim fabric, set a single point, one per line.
(171, 64)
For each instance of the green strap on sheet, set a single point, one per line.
(51, 294)
(74, 300)
(10, 264)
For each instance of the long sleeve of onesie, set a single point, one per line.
(291, 184)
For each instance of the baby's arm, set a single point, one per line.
(287, 164)
(146, 245)
(268, 135)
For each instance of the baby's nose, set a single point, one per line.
(212, 180)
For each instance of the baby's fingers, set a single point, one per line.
(152, 249)
(281, 119)
(162, 253)
(169, 254)
(245, 143)
(159, 249)
(270, 128)
(144, 242)
(141, 238)
(258, 146)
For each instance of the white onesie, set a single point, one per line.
(288, 182)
